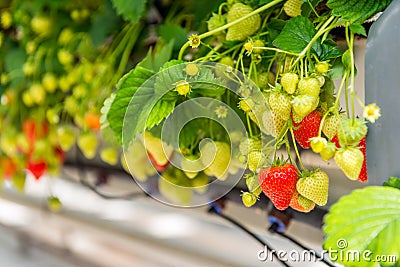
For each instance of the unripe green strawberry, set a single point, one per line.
(200, 183)
(303, 104)
(289, 81)
(300, 203)
(249, 199)
(265, 78)
(322, 67)
(170, 188)
(135, 161)
(351, 131)
(309, 86)
(330, 126)
(252, 184)
(317, 144)
(191, 166)
(280, 104)
(221, 70)
(258, 43)
(218, 157)
(87, 143)
(215, 21)
(255, 160)
(52, 116)
(314, 187)
(65, 57)
(292, 8)
(272, 123)
(49, 82)
(41, 25)
(350, 161)
(66, 137)
(65, 36)
(38, 93)
(246, 104)
(249, 144)
(109, 155)
(155, 146)
(6, 20)
(54, 204)
(244, 29)
(328, 152)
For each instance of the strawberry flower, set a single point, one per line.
(372, 112)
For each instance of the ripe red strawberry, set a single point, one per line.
(307, 128)
(37, 168)
(363, 177)
(279, 183)
(335, 140)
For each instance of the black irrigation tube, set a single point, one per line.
(216, 211)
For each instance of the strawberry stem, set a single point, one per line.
(296, 149)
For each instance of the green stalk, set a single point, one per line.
(226, 26)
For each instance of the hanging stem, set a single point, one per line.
(226, 26)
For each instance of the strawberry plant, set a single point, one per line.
(274, 72)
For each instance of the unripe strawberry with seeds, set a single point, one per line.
(328, 152)
(351, 131)
(252, 184)
(309, 86)
(301, 203)
(87, 143)
(244, 29)
(314, 186)
(258, 43)
(279, 184)
(280, 104)
(272, 123)
(265, 78)
(292, 8)
(217, 159)
(249, 199)
(318, 144)
(330, 126)
(307, 129)
(255, 160)
(304, 104)
(289, 81)
(322, 67)
(363, 176)
(350, 161)
(109, 155)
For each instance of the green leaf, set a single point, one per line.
(366, 220)
(357, 28)
(206, 84)
(393, 182)
(275, 26)
(171, 32)
(356, 10)
(296, 35)
(159, 112)
(154, 60)
(103, 23)
(128, 86)
(130, 10)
